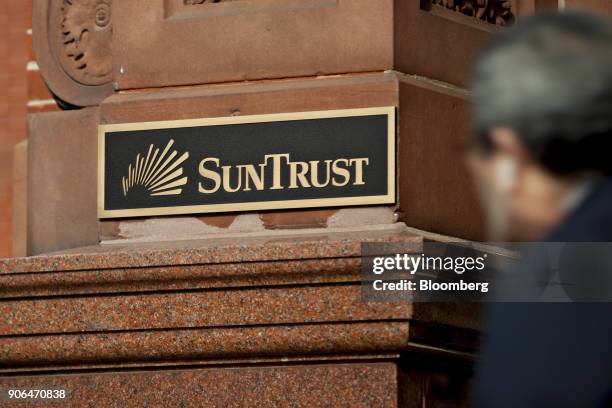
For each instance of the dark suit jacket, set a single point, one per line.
(553, 354)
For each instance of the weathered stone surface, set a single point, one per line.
(62, 168)
(277, 39)
(429, 45)
(435, 191)
(252, 98)
(20, 199)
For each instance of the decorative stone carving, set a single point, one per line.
(72, 44)
(497, 12)
(86, 36)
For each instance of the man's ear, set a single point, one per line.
(507, 142)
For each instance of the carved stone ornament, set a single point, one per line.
(497, 12)
(86, 37)
(72, 42)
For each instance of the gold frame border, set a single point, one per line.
(389, 198)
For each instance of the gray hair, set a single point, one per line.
(549, 78)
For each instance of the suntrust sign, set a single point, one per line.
(313, 173)
(261, 162)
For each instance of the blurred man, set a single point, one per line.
(542, 159)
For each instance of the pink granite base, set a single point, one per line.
(340, 385)
(271, 320)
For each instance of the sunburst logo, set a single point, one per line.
(157, 173)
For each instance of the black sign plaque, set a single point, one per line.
(259, 162)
